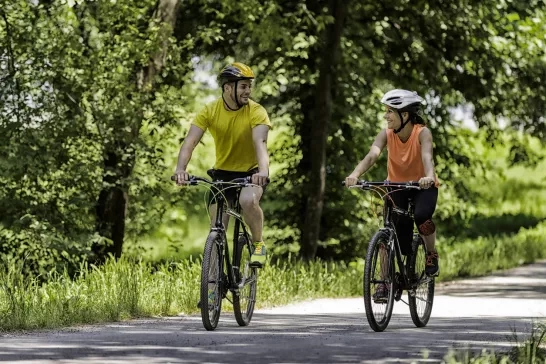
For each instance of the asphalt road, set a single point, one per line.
(469, 314)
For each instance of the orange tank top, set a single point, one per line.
(404, 159)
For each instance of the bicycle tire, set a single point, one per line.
(211, 282)
(424, 292)
(377, 321)
(245, 299)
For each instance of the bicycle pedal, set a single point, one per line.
(255, 265)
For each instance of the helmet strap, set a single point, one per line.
(236, 99)
(403, 123)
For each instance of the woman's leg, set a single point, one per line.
(425, 204)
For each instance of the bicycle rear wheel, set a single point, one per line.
(247, 279)
(211, 281)
(378, 271)
(420, 301)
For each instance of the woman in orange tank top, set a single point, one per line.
(410, 158)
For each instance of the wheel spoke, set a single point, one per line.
(422, 295)
(244, 300)
(378, 282)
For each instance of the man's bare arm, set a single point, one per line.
(192, 139)
(259, 138)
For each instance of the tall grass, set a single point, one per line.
(124, 289)
(131, 288)
(531, 351)
(475, 257)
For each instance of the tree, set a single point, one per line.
(317, 122)
(119, 152)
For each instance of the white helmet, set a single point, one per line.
(400, 99)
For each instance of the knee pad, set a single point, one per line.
(427, 228)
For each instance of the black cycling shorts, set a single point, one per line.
(225, 190)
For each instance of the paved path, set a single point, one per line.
(475, 313)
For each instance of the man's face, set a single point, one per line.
(244, 88)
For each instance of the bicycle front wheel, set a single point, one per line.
(211, 281)
(247, 278)
(420, 298)
(379, 282)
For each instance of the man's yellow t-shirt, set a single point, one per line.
(232, 133)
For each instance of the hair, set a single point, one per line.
(414, 113)
(415, 118)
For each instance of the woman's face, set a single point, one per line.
(393, 118)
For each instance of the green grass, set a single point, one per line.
(475, 257)
(531, 351)
(127, 288)
(124, 289)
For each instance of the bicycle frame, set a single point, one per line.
(394, 244)
(218, 267)
(389, 228)
(221, 229)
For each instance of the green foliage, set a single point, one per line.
(75, 117)
(95, 101)
(443, 52)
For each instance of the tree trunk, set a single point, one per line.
(319, 131)
(113, 199)
(111, 209)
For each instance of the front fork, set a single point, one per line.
(223, 252)
(401, 279)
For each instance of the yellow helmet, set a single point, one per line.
(235, 72)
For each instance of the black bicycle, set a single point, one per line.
(221, 273)
(387, 272)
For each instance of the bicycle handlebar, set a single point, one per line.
(364, 184)
(244, 182)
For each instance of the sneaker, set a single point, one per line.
(259, 254)
(432, 269)
(381, 294)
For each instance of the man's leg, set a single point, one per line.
(254, 217)
(213, 195)
(225, 219)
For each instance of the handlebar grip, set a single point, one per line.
(190, 180)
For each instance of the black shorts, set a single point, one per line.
(226, 190)
(424, 206)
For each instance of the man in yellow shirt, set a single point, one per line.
(239, 127)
